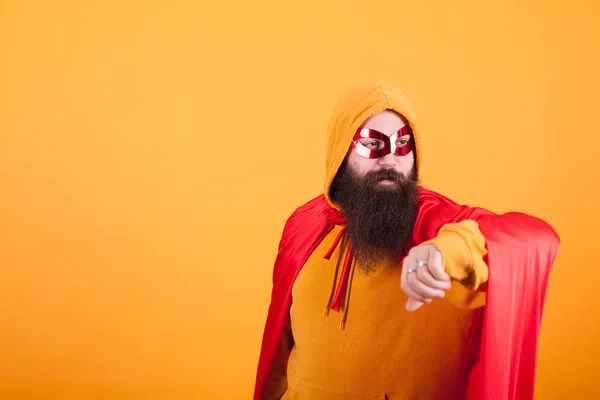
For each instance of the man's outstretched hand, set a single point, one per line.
(423, 276)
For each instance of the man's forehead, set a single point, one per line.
(387, 122)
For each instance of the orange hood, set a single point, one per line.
(354, 106)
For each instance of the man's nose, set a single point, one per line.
(389, 160)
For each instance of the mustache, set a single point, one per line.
(379, 175)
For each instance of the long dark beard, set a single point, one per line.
(380, 219)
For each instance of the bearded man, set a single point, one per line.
(383, 289)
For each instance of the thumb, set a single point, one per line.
(413, 305)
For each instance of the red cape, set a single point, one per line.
(521, 251)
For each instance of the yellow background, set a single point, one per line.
(150, 153)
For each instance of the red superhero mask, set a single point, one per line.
(373, 144)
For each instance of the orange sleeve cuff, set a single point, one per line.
(462, 246)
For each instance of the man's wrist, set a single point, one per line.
(456, 256)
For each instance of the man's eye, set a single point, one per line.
(402, 142)
(372, 144)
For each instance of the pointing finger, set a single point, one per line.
(413, 305)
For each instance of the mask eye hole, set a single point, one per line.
(372, 144)
(403, 141)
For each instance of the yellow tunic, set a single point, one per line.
(384, 352)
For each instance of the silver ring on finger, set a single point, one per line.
(422, 263)
(411, 270)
